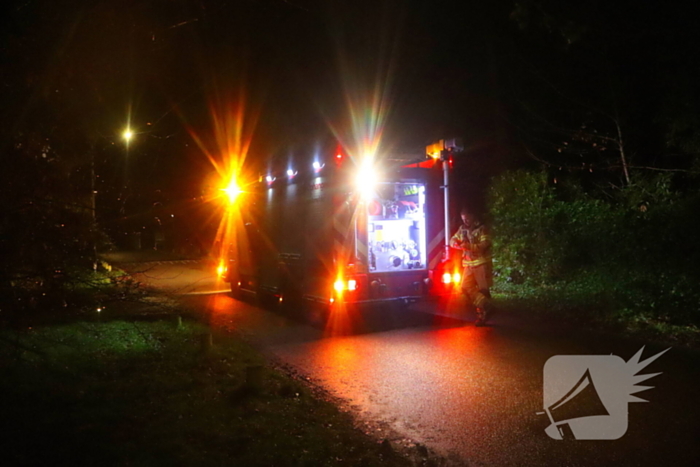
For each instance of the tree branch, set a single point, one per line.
(659, 169)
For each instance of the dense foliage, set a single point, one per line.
(632, 253)
(48, 236)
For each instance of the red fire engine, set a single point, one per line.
(345, 231)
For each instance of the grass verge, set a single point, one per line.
(163, 393)
(595, 307)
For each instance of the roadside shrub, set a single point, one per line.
(634, 252)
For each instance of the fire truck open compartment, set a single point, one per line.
(396, 228)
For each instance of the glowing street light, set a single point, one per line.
(128, 134)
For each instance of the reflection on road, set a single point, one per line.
(399, 376)
(441, 381)
(220, 306)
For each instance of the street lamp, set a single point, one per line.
(127, 134)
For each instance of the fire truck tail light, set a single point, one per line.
(451, 278)
(341, 285)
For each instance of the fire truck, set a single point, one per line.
(347, 231)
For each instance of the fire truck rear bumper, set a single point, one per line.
(408, 299)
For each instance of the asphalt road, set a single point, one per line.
(473, 395)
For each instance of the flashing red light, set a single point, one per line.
(339, 156)
(342, 285)
(448, 278)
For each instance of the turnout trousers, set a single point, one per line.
(476, 282)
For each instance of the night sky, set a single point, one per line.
(510, 78)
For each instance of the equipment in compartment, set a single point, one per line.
(395, 219)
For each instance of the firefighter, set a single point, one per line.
(473, 239)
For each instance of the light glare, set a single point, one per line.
(366, 179)
(232, 190)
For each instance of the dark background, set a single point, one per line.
(541, 83)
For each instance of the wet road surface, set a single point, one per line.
(470, 394)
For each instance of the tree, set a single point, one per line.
(592, 87)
